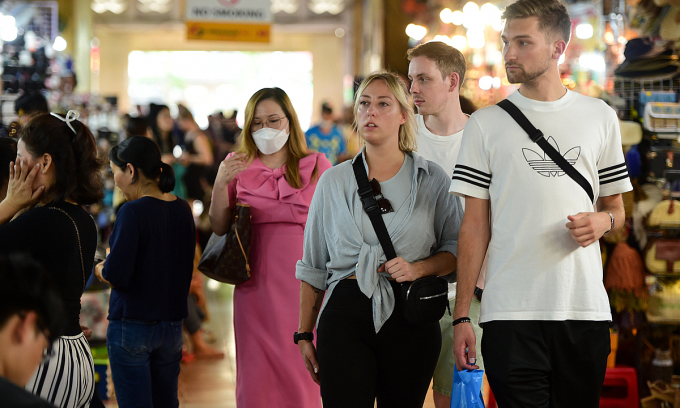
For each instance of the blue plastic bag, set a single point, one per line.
(467, 389)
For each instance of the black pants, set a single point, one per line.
(546, 364)
(358, 365)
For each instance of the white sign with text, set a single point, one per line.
(249, 11)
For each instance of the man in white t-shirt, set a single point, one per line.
(436, 71)
(545, 311)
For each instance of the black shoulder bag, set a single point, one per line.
(536, 136)
(424, 299)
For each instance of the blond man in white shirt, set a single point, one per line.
(436, 71)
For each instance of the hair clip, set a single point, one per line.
(71, 115)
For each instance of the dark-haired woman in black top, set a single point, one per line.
(149, 269)
(57, 171)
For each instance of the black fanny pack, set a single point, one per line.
(424, 300)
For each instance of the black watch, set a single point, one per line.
(478, 293)
(303, 336)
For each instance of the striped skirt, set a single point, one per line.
(67, 379)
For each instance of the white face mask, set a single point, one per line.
(269, 140)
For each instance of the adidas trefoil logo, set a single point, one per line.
(544, 165)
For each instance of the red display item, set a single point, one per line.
(621, 377)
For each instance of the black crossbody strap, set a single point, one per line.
(536, 136)
(372, 208)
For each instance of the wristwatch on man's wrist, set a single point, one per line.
(612, 225)
(303, 336)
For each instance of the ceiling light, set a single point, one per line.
(59, 44)
(446, 16)
(416, 32)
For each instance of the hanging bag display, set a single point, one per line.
(424, 299)
(226, 257)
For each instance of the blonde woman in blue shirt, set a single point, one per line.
(367, 351)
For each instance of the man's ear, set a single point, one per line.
(454, 79)
(559, 47)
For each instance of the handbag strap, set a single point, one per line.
(372, 208)
(80, 248)
(238, 238)
(536, 136)
(235, 221)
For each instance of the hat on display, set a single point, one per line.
(631, 132)
(644, 48)
(646, 58)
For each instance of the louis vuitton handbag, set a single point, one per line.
(226, 257)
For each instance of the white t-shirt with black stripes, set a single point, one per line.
(535, 270)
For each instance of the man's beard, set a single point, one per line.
(523, 77)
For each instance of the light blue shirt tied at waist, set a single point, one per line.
(334, 246)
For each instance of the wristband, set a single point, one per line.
(303, 336)
(462, 320)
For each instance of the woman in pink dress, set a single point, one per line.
(275, 174)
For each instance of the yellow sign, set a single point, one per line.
(204, 30)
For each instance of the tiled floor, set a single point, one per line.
(211, 383)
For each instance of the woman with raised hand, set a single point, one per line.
(275, 174)
(367, 350)
(149, 269)
(55, 173)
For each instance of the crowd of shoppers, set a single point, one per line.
(316, 262)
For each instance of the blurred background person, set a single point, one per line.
(161, 125)
(29, 105)
(224, 133)
(326, 137)
(162, 132)
(197, 157)
(60, 157)
(136, 126)
(31, 319)
(149, 269)
(275, 175)
(197, 309)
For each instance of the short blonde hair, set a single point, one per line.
(553, 17)
(447, 58)
(407, 131)
(297, 144)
